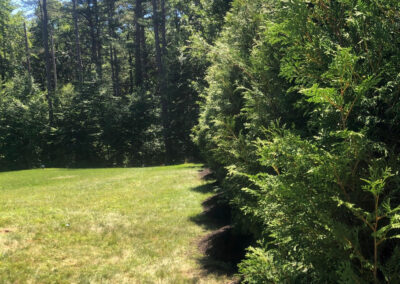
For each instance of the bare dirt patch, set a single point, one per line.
(206, 174)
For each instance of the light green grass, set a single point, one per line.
(101, 225)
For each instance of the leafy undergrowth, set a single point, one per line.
(102, 225)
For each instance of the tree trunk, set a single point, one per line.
(77, 43)
(53, 57)
(130, 61)
(162, 28)
(98, 41)
(144, 53)
(112, 69)
(116, 64)
(2, 69)
(50, 89)
(93, 49)
(3, 58)
(162, 86)
(28, 54)
(113, 51)
(138, 38)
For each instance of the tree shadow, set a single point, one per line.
(206, 188)
(223, 248)
(206, 174)
(216, 213)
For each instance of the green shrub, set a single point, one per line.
(299, 121)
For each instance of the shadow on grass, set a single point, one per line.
(224, 248)
(206, 188)
(206, 174)
(216, 213)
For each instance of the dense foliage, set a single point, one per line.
(300, 121)
(100, 83)
(296, 104)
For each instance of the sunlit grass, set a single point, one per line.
(101, 225)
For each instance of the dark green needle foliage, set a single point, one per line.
(300, 122)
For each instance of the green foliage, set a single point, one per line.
(22, 122)
(292, 121)
(102, 116)
(299, 116)
(260, 267)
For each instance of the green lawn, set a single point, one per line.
(101, 225)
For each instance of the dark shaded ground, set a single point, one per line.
(216, 214)
(206, 174)
(224, 248)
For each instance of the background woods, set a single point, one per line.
(98, 83)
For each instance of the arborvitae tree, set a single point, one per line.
(289, 124)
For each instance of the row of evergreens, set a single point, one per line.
(301, 122)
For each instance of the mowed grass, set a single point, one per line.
(102, 225)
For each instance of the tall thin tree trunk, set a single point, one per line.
(92, 36)
(112, 69)
(162, 86)
(113, 51)
(130, 61)
(53, 57)
(2, 69)
(3, 58)
(2, 63)
(116, 64)
(131, 80)
(162, 28)
(144, 55)
(98, 41)
(77, 43)
(138, 53)
(50, 89)
(28, 53)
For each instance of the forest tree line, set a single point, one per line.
(100, 82)
(293, 104)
